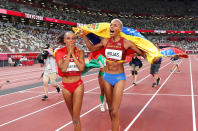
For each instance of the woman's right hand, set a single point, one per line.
(70, 50)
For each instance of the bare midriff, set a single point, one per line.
(114, 67)
(70, 79)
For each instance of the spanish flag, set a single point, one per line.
(102, 30)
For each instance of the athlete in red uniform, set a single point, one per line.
(115, 52)
(70, 61)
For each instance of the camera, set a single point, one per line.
(42, 56)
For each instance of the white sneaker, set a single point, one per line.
(102, 108)
(107, 106)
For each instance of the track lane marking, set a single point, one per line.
(141, 111)
(192, 94)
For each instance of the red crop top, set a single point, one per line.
(72, 69)
(115, 51)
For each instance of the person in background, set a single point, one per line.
(154, 71)
(49, 73)
(135, 64)
(176, 61)
(11, 62)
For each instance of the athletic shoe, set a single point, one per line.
(44, 97)
(154, 85)
(102, 109)
(58, 89)
(134, 83)
(107, 106)
(158, 80)
(171, 70)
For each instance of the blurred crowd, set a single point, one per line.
(25, 38)
(182, 43)
(95, 12)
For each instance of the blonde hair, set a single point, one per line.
(121, 24)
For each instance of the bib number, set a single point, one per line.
(72, 67)
(113, 54)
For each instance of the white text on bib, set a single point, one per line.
(113, 54)
(72, 67)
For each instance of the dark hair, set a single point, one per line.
(60, 39)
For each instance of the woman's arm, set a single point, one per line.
(92, 47)
(63, 64)
(81, 62)
(128, 44)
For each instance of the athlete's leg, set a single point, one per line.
(108, 94)
(68, 96)
(77, 104)
(53, 81)
(101, 83)
(116, 101)
(45, 85)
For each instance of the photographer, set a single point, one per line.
(49, 73)
(135, 64)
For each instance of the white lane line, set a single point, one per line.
(44, 109)
(124, 91)
(145, 94)
(38, 92)
(84, 113)
(24, 100)
(41, 110)
(38, 95)
(193, 102)
(145, 77)
(80, 117)
(36, 87)
(30, 114)
(136, 117)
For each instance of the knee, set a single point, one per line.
(135, 72)
(76, 122)
(132, 72)
(45, 84)
(114, 113)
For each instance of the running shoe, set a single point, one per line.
(158, 80)
(44, 97)
(107, 106)
(58, 89)
(102, 109)
(134, 83)
(154, 85)
(171, 70)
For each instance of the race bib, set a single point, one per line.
(113, 54)
(72, 67)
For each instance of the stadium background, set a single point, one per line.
(26, 26)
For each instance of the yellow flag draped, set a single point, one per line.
(103, 30)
